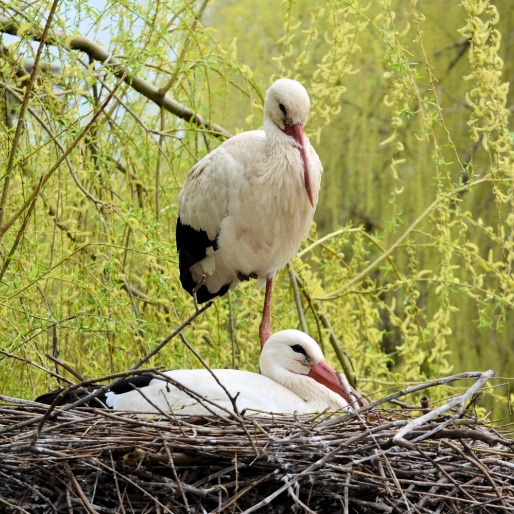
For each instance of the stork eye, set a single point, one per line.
(283, 109)
(298, 348)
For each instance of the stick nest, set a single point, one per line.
(376, 459)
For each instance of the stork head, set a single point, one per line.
(287, 105)
(290, 353)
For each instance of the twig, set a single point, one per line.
(207, 403)
(68, 368)
(237, 414)
(14, 507)
(117, 485)
(299, 502)
(244, 491)
(232, 329)
(341, 354)
(468, 454)
(35, 364)
(346, 496)
(175, 474)
(85, 502)
(297, 299)
(164, 342)
(458, 400)
(416, 388)
(134, 484)
(21, 231)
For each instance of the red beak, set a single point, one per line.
(327, 376)
(296, 131)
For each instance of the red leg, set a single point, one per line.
(265, 326)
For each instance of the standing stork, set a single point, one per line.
(246, 206)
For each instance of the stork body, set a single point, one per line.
(246, 206)
(295, 378)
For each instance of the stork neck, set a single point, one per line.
(282, 148)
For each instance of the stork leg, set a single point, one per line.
(265, 326)
(195, 290)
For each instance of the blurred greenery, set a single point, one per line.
(410, 258)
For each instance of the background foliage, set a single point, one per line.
(409, 266)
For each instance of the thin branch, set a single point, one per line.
(341, 354)
(171, 462)
(232, 329)
(85, 502)
(21, 231)
(35, 364)
(186, 41)
(322, 319)
(297, 299)
(164, 342)
(419, 387)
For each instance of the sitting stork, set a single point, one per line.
(295, 378)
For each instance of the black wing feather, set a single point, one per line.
(129, 384)
(192, 247)
(124, 386)
(72, 396)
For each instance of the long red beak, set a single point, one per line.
(326, 375)
(296, 131)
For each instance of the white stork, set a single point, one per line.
(246, 206)
(295, 377)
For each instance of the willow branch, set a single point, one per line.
(23, 110)
(339, 292)
(96, 52)
(187, 40)
(46, 176)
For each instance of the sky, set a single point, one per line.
(68, 12)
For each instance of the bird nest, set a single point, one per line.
(385, 457)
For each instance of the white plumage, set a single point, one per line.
(293, 373)
(246, 206)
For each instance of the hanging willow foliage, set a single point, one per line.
(408, 268)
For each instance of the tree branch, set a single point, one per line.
(96, 52)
